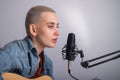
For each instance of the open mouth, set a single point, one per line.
(54, 40)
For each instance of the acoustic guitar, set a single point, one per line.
(12, 76)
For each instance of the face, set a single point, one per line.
(47, 30)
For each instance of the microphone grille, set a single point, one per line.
(71, 41)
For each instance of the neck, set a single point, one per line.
(39, 49)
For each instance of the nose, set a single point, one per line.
(57, 32)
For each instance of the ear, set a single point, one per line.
(33, 29)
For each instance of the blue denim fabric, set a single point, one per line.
(20, 57)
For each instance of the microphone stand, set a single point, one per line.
(85, 64)
(72, 57)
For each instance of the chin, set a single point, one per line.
(51, 46)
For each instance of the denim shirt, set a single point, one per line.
(20, 56)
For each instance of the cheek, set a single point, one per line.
(47, 41)
(44, 37)
(45, 34)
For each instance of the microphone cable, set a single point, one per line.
(69, 70)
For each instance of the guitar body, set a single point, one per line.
(11, 76)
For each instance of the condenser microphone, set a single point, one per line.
(70, 47)
(70, 51)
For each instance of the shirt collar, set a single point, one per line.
(27, 44)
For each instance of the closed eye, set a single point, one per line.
(50, 27)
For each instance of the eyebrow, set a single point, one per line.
(52, 23)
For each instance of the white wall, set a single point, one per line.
(96, 24)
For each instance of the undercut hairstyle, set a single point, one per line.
(33, 15)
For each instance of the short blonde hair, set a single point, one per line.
(34, 14)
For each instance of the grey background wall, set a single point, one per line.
(96, 24)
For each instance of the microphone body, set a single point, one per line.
(70, 47)
(70, 50)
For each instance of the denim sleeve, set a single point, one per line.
(1, 78)
(5, 62)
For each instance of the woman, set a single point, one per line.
(26, 57)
